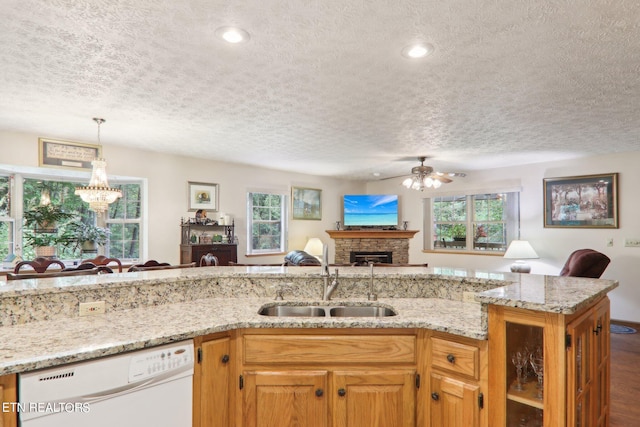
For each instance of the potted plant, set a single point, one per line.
(45, 218)
(86, 236)
(459, 233)
(44, 244)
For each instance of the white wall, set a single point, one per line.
(167, 177)
(553, 245)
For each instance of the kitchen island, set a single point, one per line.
(41, 328)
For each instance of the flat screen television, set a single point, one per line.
(370, 210)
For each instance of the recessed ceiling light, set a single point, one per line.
(417, 50)
(233, 34)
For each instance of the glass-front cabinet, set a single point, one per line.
(549, 369)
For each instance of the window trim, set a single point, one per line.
(20, 172)
(284, 221)
(513, 230)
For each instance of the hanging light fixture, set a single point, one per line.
(98, 193)
(424, 177)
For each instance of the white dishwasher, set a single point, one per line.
(151, 387)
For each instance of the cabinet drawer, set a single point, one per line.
(325, 349)
(454, 357)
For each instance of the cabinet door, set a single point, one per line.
(285, 399)
(212, 397)
(588, 368)
(8, 394)
(454, 403)
(381, 398)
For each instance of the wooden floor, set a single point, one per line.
(625, 378)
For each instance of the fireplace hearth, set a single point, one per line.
(364, 257)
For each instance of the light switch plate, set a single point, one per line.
(632, 243)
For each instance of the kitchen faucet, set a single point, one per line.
(371, 296)
(327, 289)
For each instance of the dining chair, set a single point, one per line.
(39, 265)
(208, 260)
(103, 260)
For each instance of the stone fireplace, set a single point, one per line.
(393, 242)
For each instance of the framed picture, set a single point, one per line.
(203, 195)
(589, 201)
(67, 154)
(306, 203)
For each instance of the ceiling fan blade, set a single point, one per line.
(443, 179)
(394, 177)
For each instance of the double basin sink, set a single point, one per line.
(288, 310)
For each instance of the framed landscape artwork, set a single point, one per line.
(306, 203)
(589, 201)
(203, 195)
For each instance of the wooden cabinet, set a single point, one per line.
(382, 397)
(458, 376)
(199, 239)
(8, 396)
(285, 398)
(224, 252)
(212, 382)
(303, 378)
(549, 369)
(588, 368)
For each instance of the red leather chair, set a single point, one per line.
(585, 263)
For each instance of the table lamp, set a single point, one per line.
(314, 247)
(520, 250)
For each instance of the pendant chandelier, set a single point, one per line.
(98, 193)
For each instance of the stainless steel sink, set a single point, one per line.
(293, 311)
(361, 311)
(286, 310)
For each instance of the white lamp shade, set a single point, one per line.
(520, 249)
(314, 246)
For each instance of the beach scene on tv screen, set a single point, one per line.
(370, 209)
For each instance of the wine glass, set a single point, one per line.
(519, 359)
(537, 363)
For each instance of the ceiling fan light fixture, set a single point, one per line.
(425, 177)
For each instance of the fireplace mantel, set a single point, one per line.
(371, 234)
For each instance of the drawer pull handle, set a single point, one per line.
(342, 392)
(319, 392)
(451, 358)
(435, 396)
(225, 358)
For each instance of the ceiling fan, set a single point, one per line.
(425, 177)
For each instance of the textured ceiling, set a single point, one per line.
(321, 86)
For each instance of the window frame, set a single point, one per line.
(284, 223)
(18, 173)
(511, 222)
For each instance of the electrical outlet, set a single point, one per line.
(610, 242)
(91, 308)
(633, 243)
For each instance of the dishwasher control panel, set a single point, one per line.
(160, 360)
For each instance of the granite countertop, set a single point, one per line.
(151, 308)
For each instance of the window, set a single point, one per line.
(6, 222)
(266, 223)
(124, 223)
(21, 193)
(479, 222)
